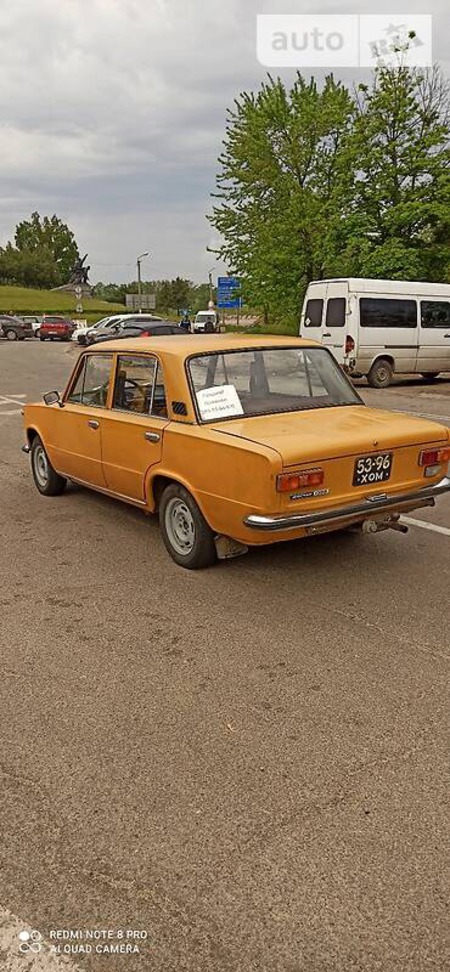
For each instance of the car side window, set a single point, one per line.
(139, 386)
(92, 382)
(313, 312)
(435, 313)
(134, 383)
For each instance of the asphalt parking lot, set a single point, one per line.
(249, 764)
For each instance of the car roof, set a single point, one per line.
(185, 345)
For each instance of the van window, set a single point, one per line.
(335, 312)
(387, 312)
(313, 313)
(435, 313)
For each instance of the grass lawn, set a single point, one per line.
(24, 300)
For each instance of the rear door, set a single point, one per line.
(133, 430)
(312, 320)
(335, 319)
(434, 336)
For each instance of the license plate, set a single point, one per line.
(372, 469)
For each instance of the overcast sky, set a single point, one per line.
(113, 111)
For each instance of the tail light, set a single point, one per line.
(289, 482)
(434, 457)
(349, 344)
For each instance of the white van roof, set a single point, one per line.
(371, 285)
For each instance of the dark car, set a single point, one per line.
(56, 328)
(143, 329)
(14, 329)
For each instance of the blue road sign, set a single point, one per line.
(227, 288)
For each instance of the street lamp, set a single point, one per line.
(138, 264)
(211, 287)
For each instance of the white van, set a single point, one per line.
(204, 318)
(380, 328)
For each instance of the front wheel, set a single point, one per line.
(46, 479)
(41, 337)
(185, 532)
(380, 373)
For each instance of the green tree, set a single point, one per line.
(28, 268)
(280, 187)
(52, 235)
(397, 223)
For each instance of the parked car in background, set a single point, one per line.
(380, 328)
(34, 321)
(56, 329)
(138, 330)
(81, 332)
(14, 328)
(114, 325)
(234, 441)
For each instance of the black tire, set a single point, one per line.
(52, 339)
(37, 333)
(200, 549)
(380, 374)
(46, 480)
(11, 335)
(430, 375)
(41, 337)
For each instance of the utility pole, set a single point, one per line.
(139, 282)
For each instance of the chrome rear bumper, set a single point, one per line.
(372, 504)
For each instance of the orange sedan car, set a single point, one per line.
(233, 441)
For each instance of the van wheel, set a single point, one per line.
(185, 532)
(46, 479)
(380, 373)
(430, 375)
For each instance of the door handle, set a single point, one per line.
(327, 335)
(152, 436)
(93, 424)
(446, 335)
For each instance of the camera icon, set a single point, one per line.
(30, 942)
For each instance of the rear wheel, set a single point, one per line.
(46, 479)
(185, 532)
(11, 335)
(380, 373)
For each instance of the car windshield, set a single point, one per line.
(266, 381)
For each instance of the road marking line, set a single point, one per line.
(12, 400)
(13, 411)
(426, 526)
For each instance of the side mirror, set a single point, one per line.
(53, 398)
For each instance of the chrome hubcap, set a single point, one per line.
(180, 526)
(11, 336)
(40, 465)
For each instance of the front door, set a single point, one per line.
(434, 340)
(133, 429)
(76, 451)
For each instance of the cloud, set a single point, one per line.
(113, 112)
